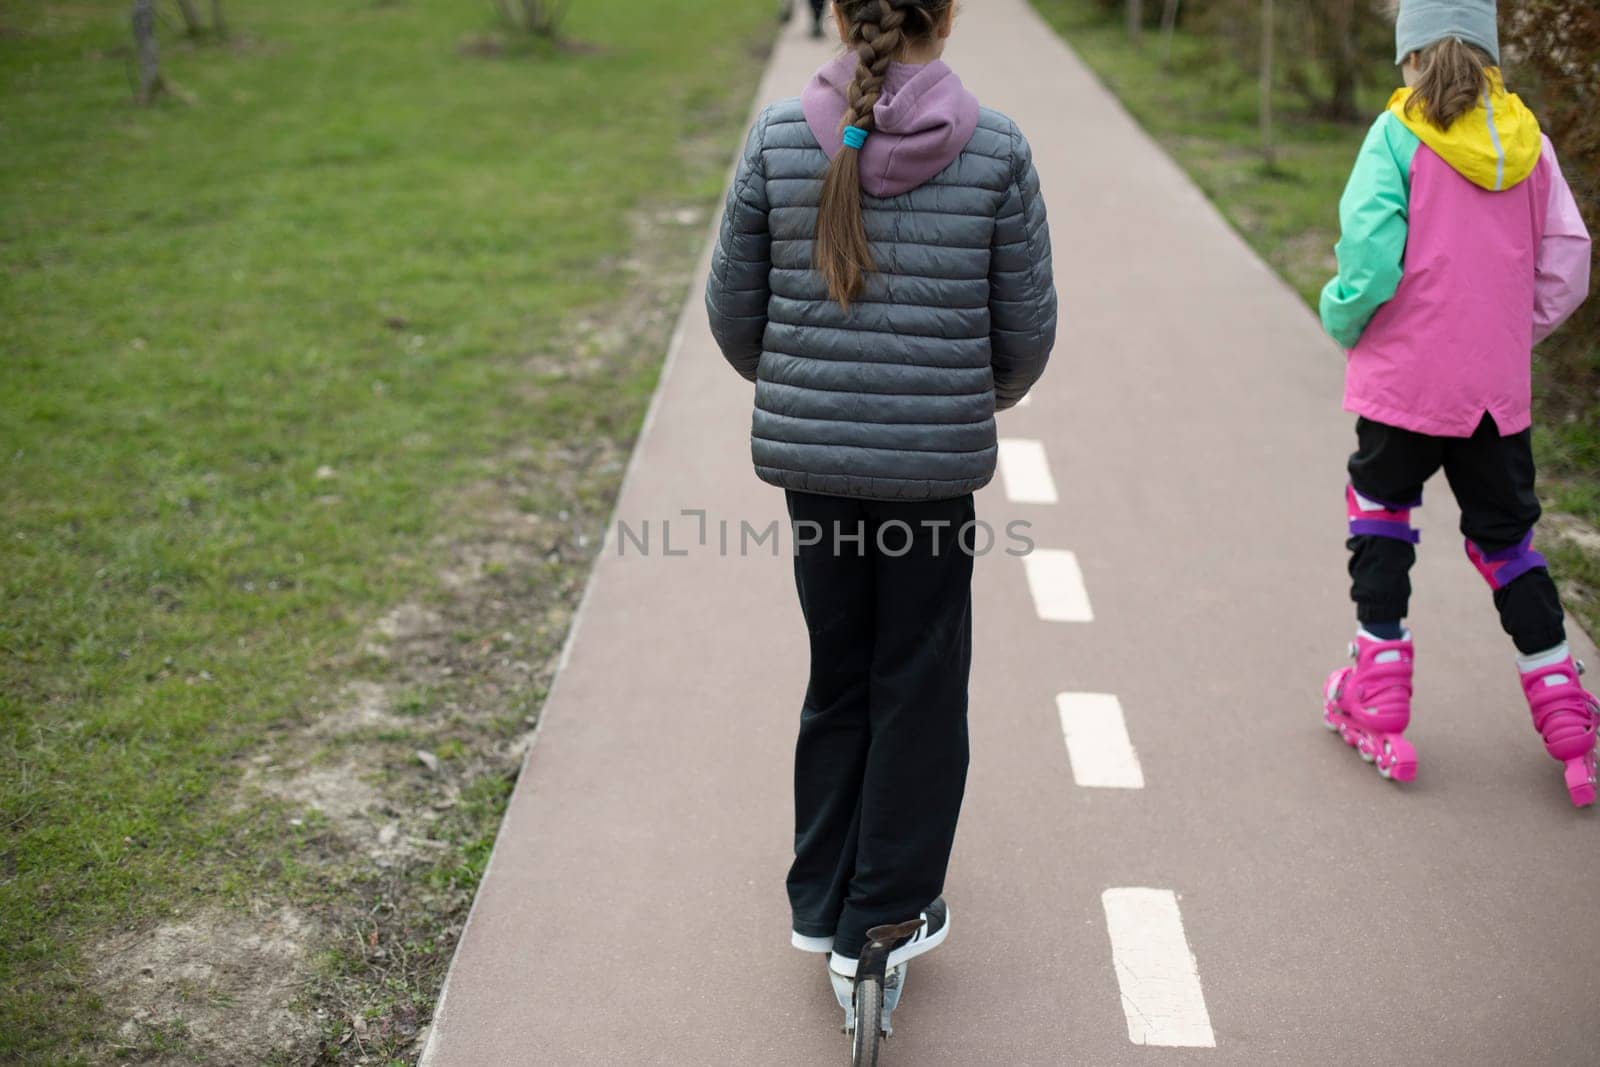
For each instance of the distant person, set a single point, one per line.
(786, 12)
(1461, 248)
(883, 275)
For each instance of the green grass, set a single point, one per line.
(253, 339)
(1203, 109)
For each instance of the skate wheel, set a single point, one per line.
(1583, 776)
(1397, 760)
(869, 1023)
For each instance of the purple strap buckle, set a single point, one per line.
(1504, 566)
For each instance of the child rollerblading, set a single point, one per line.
(1461, 246)
(883, 276)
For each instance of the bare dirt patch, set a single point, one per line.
(181, 984)
(361, 706)
(1575, 530)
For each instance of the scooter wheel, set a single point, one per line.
(869, 1023)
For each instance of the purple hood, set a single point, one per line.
(923, 120)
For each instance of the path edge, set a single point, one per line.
(690, 305)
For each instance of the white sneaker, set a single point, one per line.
(935, 928)
(810, 944)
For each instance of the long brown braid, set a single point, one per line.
(879, 30)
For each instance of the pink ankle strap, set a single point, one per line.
(1368, 649)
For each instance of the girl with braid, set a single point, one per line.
(883, 277)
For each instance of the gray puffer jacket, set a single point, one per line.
(894, 398)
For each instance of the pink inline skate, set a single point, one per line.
(1370, 705)
(1567, 717)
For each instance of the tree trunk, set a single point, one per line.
(1136, 21)
(1268, 33)
(191, 18)
(219, 25)
(1342, 60)
(540, 18)
(1169, 25)
(1342, 102)
(144, 39)
(555, 13)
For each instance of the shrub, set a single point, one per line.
(538, 18)
(1551, 51)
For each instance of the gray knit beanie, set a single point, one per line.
(1422, 22)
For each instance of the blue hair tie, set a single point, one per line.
(855, 137)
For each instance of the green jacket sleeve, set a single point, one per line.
(1372, 225)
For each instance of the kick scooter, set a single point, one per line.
(869, 999)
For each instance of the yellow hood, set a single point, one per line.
(1495, 145)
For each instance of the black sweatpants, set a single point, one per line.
(1492, 478)
(881, 763)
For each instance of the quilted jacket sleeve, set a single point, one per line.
(1022, 291)
(738, 289)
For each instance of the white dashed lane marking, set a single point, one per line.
(1056, 583)
(1025, 470)
(1157, 973)
(1097, 741)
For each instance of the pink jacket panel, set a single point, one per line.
(1456, 340)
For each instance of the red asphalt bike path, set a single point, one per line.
(634, 910)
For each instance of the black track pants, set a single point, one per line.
(881, 762)
(1492, 478)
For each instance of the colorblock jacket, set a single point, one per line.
(893, 398)
(1459, 250)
